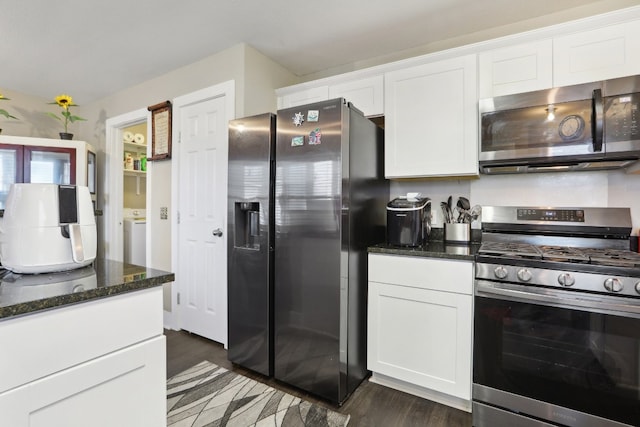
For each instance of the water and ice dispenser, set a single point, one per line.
(247, 225)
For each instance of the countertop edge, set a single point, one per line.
(41, 305)
(432, 250)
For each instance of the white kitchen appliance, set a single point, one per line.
(135, 241)
(47, 228)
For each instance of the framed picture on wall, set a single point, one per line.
(160, 131)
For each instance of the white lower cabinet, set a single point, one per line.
(99, 364)
(420, 319)
(120, 389)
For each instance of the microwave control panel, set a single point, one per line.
(622, 117)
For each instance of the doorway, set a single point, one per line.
(120, 180)
(134, 139)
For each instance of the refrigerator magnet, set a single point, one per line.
(297, 141)
(313, 115)
(298, 119)
(315, 137)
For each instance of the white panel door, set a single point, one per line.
(421, 336)
(126, 388)
(515, 69)
(431, 118)
(303, 97)
(365, 94)
(600, 54)
(202, 204)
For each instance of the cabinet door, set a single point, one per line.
(604, 53)
(515, 69)
(303, 97)
(125, 388)
(431, 119)
(10, 169)
(421, 336)
(365, 94)
(55, 165)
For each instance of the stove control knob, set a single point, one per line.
(500, 272)
(638, 287)
(566, 279)
(613, 285)
(524, 275)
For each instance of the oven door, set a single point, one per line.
(555, 355)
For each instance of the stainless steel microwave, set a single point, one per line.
(591, 126)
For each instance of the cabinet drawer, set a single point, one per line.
(38, 345)
(427, 273)
(125, 388)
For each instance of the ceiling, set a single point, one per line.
(90, 49)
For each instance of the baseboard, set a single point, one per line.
(435, 396)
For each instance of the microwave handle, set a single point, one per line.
(597, 118)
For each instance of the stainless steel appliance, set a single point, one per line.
(330, 197)
(557, 318)
(408, 221)
(250, 242)
(590, 126)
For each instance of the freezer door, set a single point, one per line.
(250, 250)
(308, 213)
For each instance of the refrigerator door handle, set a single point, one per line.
(217, 232)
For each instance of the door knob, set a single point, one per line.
(217, 232)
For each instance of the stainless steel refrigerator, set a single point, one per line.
(250, 242)
(330, 197)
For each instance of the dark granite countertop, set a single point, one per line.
(22, 294)
(433, 249)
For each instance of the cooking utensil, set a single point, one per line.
(445, 212)
(463, 203)
(463, 207)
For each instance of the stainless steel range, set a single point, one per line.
(557, 318)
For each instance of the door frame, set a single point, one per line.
(226, 90)
(113, 194)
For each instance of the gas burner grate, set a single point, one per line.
(563, 254)
(510, 250)
(613, 257)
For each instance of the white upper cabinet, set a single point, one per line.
(515, 69)
(365, 94)
(303, 97)
(599, 54)
(431, 119)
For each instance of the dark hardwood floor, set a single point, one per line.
(371, 405)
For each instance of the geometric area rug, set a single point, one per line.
(207, 395)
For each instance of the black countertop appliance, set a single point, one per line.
(408, 221)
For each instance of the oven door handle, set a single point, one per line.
(619, 306)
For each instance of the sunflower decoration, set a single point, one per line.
(65, 102)
(5, 113)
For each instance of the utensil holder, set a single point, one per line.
(457, 232)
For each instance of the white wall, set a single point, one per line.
(32, 120)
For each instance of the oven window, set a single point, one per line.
(546, 126)
(588, 362)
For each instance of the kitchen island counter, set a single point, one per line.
(81, 343)
(22, 294)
